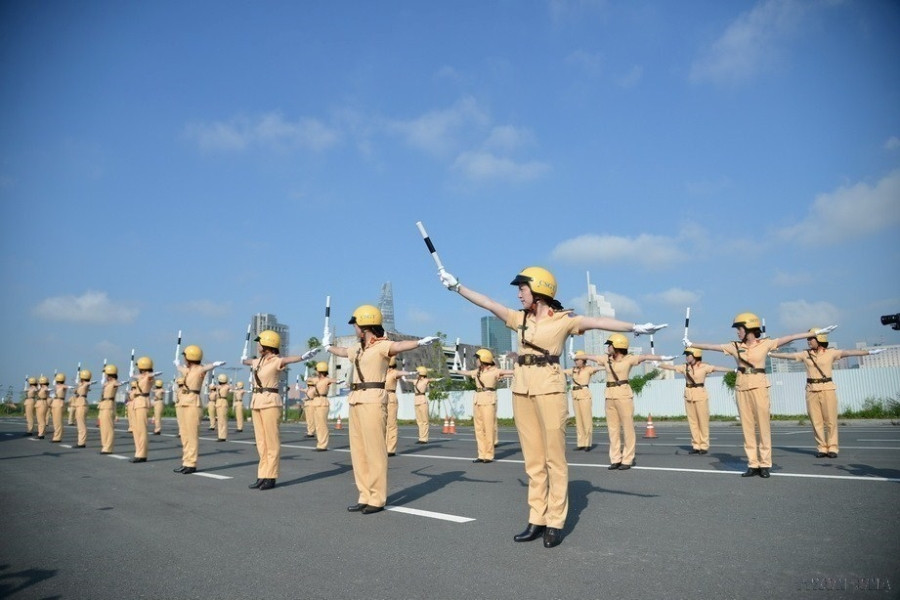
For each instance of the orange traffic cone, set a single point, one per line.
(339, 425)
(651, 430)
(452, 425)
(446, 428)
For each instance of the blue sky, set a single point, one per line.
(184, 165)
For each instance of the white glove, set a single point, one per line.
(876, 351)
(665, 357)
(428, 340)
(646, 328)
(326, 339)
(176, 363)
(243, 356)
(571, 355)
(686, 342)
(450, 282)
(218, 363)
(826, 330)
(309, 353)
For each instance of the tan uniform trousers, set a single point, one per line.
(822, 407)
(178, 411)
(211, 413)
(309, 419)
(541, 422)
(422, 420)
(29, 415)
(390, 427)
(129, 414)
(368, 452)
(698, 420)
(619, 421)
(320, 422)
(268, 441)
(81, 424)
(57, 407)
(158, 407)
(42, 412)
(238, 415)
(189, 424)
(753, 406)
(496, 429)
(584, 420)
(71, 414)
(222, 418)
(484, 417)
(139, 430)
(106, 414)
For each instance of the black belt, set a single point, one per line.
(537, 359)
(192, 391)
(578, 387)
(487, 390)
(257, 390)
(147, 395)
(751, 371)
(77, 396)
(822, 380)
(616, 383)
(367, 385)
(107, 399)
(693, 385)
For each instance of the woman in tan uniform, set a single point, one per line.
(177, 390)
(80, 403)
(752, 386)
(821, 394)
(106, 409)
(539, 390)
(57, 407)
(317, 392)
(159, 396)
(238, 406)
(696, 398)
(222, 408)
(367, 400)
(194, 373)
(484, 409)
(42, 406)
(582, 402)
(212, 397)
(266, 403)
(28, 405)
(391, 381)
(420, 402)
(140, 406)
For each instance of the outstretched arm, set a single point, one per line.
(479, 299)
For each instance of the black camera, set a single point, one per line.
(892, 320)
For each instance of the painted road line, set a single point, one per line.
(65, 446)
(119, 456)
(893, 440)
(429, 514)
(211, 475)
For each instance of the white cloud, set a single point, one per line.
(205, 308)
(850, 212)
(677, 297)
(799, 315)
(266, 130)
(90, 307)
(448, 73)
(647, 250)
(508, 138)
(107, 348)
(623, 305)
(791, 279)
(417, 315)
(590, 63)
(750, 44)
(482, 166)
(631, 78)
(439, 132)
(892, 143)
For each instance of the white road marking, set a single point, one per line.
(65, 446)
(429, 514)
(119, 456)
(211, 475)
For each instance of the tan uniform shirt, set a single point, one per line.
(581, 379)
(754, 356)
(549, 333)
(239, 397)
(391, 379)
(485, 384)
(266, 370)
(141, 388)
(223, 391)
(81, 392)
(824, 360)
(61, 391)
(697, 373)
(372, 364)
(159, 395)
(420, 390)
(109, 391)
(619, 370)
(193, 383)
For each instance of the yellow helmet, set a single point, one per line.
(366, 315)
(111, 370)
(193, 353)
(158, 383)
(32, 381)
(60, 378)
(223, 378)
(85, 375)
(422, 371)
(580, 354)
(144, 364)
(239, 385)
(392, 362)
(540, 280)
(695, 352)
(321, 367)
(179, 381)
(822, 338)
(269, 339)
(485, 356)
(747, 321)
(618, 341)
(42, 380)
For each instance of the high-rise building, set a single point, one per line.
(597, 306)
(261, 322)
(386, 305)
(496, 336)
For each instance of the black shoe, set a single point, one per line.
(138, 460)
(832, 455)
(157, 433)
(256, 484)
(821, 454)
(392, 454)
(487, 460)
(532, 532)
(179, 469)
(28, 434)
(421, 442)
(751, 472)
(321, 449)
(101, 452)
(552, 537)
(40, 437)
(82, 446)
(368, 510)
(310, 435)
(577, 448)
(694, 451)
(614, 466)
(55, 441)
(624, 467)
(239, 430)
(356, 507)
(267, 484)
(588, 448)
(764, 472)
(704, 452)
(189, 470)
(221, 440)
(477, 460)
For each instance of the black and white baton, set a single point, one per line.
(434, 254)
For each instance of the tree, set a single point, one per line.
(638, 382)
(311, 343)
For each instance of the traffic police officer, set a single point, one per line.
(222, 407)
(194, 373)
(582, 402)
(57, 406)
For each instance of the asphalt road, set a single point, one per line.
(77, 524)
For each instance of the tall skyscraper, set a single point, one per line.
(261, 322)
(386, 305)
(495, 335)
(597, 306)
